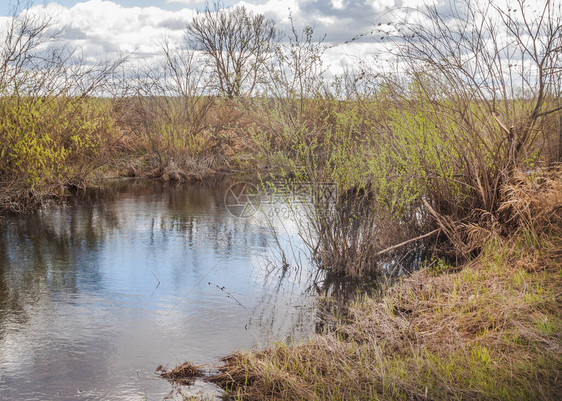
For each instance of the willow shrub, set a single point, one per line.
(44, 141)
(390, 158)
(177, 136)
(344, 143)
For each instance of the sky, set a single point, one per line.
(104, 28)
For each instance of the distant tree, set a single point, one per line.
(238, 44)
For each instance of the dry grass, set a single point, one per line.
(182, 374)
(533, 202)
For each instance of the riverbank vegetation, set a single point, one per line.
(489, 329)
(485, 328)
(451, 148)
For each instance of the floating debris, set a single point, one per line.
(184, 374)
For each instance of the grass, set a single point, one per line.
(489, 330)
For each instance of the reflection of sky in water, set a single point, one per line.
(95, 296)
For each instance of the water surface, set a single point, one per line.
(94, 296)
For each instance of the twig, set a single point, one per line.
(502, 125)
(407, 242)
(155, 278)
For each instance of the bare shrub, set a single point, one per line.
(172, 105)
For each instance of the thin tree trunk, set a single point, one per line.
(559, 132)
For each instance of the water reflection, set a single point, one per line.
(94, 296)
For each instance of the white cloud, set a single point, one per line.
(328, 20)
(183, 2)
(101, 27)
(104, 28)
(338, 4)
(382, 5)
(277, 9)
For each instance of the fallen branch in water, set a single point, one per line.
(393, 247)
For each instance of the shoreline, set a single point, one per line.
(489, 330)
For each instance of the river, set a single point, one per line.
(96, 294)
